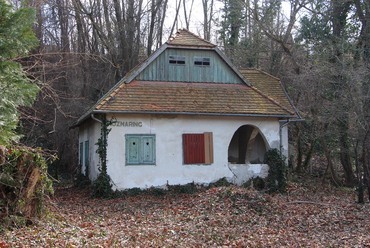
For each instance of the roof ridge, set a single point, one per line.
(268, 74)
(272, 100)
(180, 31)
(260, 71)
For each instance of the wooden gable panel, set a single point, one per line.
(161, 70)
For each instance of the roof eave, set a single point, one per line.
(285, 116)
(195, 47)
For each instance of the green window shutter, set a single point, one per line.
(132, 150)
(148, 149)
(81, 154)
(86, 153)
(140, 149)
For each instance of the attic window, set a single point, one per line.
(177, 60)
(202, 61)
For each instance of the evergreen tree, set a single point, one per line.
(16, 89)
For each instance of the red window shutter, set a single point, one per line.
(208, 148)
(193, 146)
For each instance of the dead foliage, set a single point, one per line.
(23, 184)
(310, 214)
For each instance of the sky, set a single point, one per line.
(196, 20)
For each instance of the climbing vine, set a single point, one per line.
(102, 186)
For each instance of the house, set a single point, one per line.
(186, 114)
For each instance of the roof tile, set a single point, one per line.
(185, 38)
(269, 86)
(205, 98)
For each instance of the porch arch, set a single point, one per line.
(247, 146)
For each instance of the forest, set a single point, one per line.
(63, 55)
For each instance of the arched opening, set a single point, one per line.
(247, 146)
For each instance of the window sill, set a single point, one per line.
(140, 164)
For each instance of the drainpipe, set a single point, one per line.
(95, 119)
(281, 126)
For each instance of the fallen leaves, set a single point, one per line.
(225, 216)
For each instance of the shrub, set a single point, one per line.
(157, 191)
(102, 186)
(189, 188)
(24, 183)
(257, 183)
(134, 191)
(276, 179)
(81, 181)
(222, 182)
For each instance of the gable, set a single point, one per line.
(189, 65)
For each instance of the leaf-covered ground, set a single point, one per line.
(307, 216)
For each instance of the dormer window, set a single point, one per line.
(202, 61)
(177, 60)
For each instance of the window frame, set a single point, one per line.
(86, 154)
(202, 61)
(141, 158)
(81, 154)
(177, 60)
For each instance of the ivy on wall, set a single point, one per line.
(102, 186)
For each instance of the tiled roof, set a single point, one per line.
(265, 96)
(185, 38)
(200, 98)
(269, 85)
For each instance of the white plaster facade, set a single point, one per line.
(169, 167)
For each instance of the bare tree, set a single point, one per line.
(178, 4)
(207, 18)
(186, 15)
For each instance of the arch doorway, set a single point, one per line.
(247, 146)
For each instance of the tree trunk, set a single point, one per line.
(176, 16)
(63, 22)
(299, 154)
(330, 166)
(307, 160)
(153, 14)
(207, 18)
(345, 158)
(360, 183)
(161, 23)
(187, 17)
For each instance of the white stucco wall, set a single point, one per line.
(169, 167)
(284, 140)
(90, 131)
